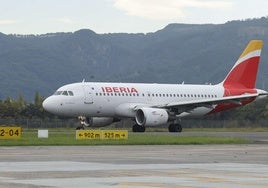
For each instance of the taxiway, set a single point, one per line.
(135, 166)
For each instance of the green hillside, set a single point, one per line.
(176, 53)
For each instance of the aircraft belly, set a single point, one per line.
(197, 112)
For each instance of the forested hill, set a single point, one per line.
(176, 53)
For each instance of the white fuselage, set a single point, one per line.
(119, 99)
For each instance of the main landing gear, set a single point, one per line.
(174, 127)
(138, 128)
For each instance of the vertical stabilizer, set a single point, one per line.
(244, 72)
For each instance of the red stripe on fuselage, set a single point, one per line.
(227, 106)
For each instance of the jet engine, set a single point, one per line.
(95, 121)
(151, 116)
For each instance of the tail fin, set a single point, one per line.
(244, 72)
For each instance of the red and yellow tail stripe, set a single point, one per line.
(244, 73)
(242, 77)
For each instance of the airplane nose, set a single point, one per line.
(49, 105)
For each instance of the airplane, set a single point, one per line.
(99, 104)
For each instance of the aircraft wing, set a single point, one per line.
(188, 106)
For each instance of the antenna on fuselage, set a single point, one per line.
(83, 80)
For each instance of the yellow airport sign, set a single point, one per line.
(101, 134)
(115, 134)
(10, 132)
(88, 134)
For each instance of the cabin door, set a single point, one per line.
(88, 94)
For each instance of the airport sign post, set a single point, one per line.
(10, 132)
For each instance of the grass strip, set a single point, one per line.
(67, 138)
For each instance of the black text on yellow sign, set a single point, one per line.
(114, 134)
(10, 132)
(101, 134)
(88, 134)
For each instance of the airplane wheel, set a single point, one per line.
(134, 128)
(80, 128)
(138, 128)
(142, 129)
(179, 128)
(175, 128)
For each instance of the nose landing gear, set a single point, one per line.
(82, 121)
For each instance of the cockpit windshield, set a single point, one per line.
(66, 93)
(58, 93)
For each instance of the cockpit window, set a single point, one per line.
(70, 93)
(58, 93)
(66, 93)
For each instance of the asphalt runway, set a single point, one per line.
(255, 137)
(135, 166)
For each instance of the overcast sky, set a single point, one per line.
(113, 16)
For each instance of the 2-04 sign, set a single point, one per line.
(10, 132)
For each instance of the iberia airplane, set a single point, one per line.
(100, 104)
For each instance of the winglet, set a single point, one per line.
(244, 72)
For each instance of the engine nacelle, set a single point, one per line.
(151, 116)
(95, 121)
